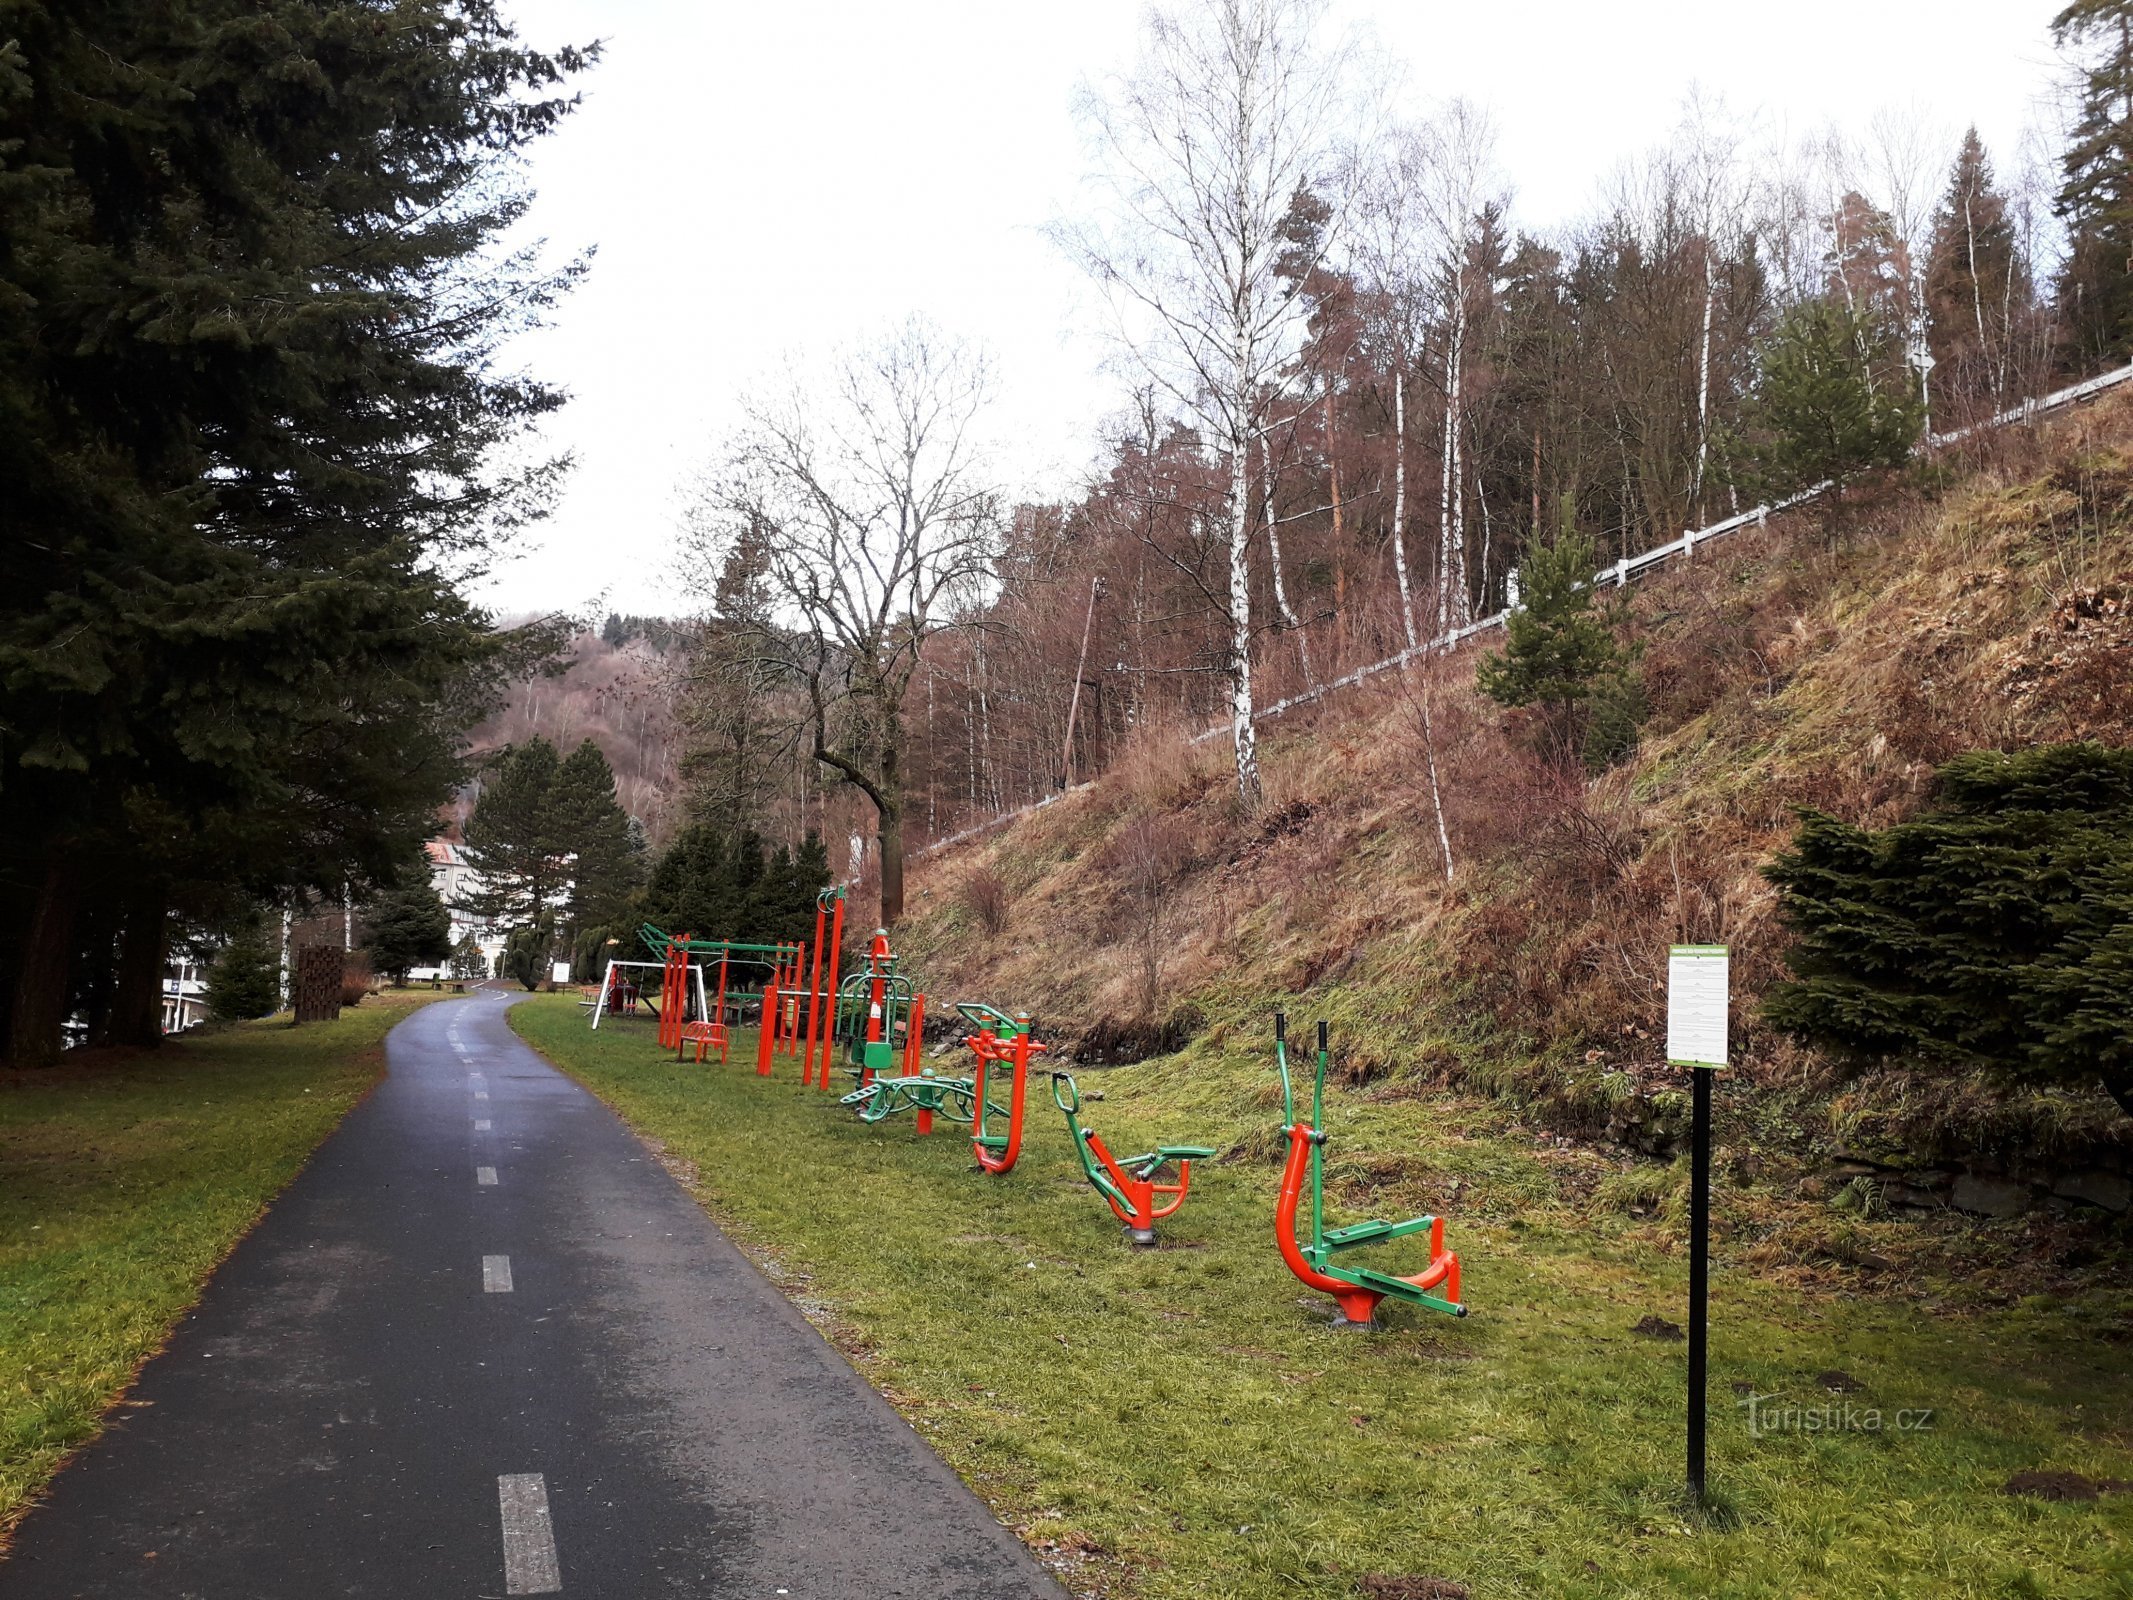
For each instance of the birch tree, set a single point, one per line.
(1230, 115)
(1711, 151)
(1390, 241)
(875, 518)
(1459, 174)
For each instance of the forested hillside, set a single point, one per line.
(1983, 606)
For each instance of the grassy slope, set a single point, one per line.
(1182, 1423)
(123, 1182)
(1995, 609)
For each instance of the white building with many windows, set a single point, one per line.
(454, 877)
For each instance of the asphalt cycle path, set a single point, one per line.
(485, 1345)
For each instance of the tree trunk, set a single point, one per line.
(1436, 789)
(1703, 384)
(137, 1006)
(35, 1036)
(889, 822)
(1453, 594)
(1273, 545)
(1399, 503)
(1240, 626)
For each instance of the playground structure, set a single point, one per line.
(999, 1038)
(881, 1017)
(1356, 1290)
(690, 1011)
(877, 1015)
(1129, 1186)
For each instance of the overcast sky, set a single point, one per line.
(760, 178)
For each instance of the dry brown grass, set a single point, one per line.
(1780, 673)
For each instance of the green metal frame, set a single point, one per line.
(1066, 1095)
(1325, 1243)
(848, 1021)
(982, 1016)
(953, 1098)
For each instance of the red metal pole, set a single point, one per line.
(836, 953)
(766, 1033)
(814, 1002)
(914, 1035)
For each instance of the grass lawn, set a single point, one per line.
(1182, 1422)
(124, 1180)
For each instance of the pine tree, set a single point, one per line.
(1997, 930)
(1818, 416)
(245, 979)
(1559, 647)
(2096, 198)
(1977, 286)
(407, 926)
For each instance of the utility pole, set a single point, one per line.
(1066, 756)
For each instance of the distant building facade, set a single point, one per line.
(454, 878)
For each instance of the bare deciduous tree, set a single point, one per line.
(1231, 114)
(868, 495)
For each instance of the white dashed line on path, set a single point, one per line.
(496, 1274)
(481, 1124)
(529, 1538)
(481, 1094)
(485, 1176)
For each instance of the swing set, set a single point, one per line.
(688, 1011)
(1356, 1290)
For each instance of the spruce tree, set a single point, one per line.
(1996, 930)
(1817, 415)
(249, 416)
(1977, 286)
(407, 926)
(589, 823)
(2096, 198)
(513, 845)
(244, 981)
(1560, 647)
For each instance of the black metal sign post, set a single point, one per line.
(1697, 996)
(1699, 1271)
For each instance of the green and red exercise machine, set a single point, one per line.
(1356, 1290)
(999, 1038)
(881, 1017)
(1134, 1187)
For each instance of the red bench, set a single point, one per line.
(705, 1036)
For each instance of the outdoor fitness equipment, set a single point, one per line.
(999, 1038)
(873, 1006)
(827, 901)
(1129, 1186)
(1356, 1290)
